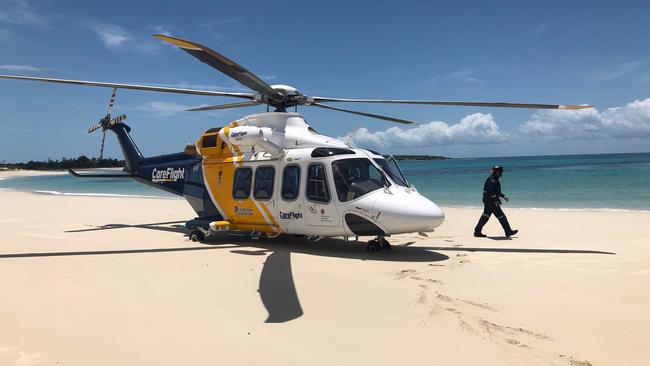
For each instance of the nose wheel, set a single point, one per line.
(378, 244)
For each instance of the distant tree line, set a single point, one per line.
(64, 163)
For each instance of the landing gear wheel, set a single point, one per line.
(373, 246)
(384, 243)
(197, 235)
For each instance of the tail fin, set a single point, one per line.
(132, 154)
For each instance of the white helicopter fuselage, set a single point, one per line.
(274, 174)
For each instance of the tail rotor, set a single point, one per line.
(106, 123)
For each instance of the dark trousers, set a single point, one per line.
(490, 208)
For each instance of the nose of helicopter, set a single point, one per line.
(411, 214)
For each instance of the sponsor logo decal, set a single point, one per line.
(167, 175)
(243, 211)
(290, 215)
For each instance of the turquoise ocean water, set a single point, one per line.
(608, 181)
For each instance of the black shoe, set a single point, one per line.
(513, 232)
(480, 235)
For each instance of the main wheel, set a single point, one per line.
(197, 235)
(373, 246)
(384, 243)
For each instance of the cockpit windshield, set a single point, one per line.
(356, 177)
(392, 169)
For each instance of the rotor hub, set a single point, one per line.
(291, 97)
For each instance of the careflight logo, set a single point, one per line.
(290, 215)
(167, 175)
(239, 134)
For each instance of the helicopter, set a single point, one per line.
(271, 173)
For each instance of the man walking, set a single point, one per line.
(492, 204)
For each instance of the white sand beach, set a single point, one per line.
(115, 281)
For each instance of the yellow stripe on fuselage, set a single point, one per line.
(219, 173)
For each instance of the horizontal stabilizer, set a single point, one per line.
(77, 175)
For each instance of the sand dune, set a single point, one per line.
(109, 281)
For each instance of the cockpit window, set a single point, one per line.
(356, 177)
(392, 169)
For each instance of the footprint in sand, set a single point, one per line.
(405, 273)
(422, 298)
(430, 280)
(484, 306)
(496, 328)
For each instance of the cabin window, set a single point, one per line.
(290, 182)
(317, 184)
(392, 169)
(241, 187)
(354, 178)
(209, 141)
(264, 176)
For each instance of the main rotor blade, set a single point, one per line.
(132, 86)
(453, 103)
(385, 118)
(223, 64)
(224, 106)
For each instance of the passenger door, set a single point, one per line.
(320, 205)
(291, 207)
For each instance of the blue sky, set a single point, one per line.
(569, 52)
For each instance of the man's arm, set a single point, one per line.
(500, 194)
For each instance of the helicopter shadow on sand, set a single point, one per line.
(277, 289)
(276, 286)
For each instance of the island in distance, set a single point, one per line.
(420, 157)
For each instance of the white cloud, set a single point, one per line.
(117, 38)
(19, 68)
(225, 21)
(21, 13)
(542, 28)
(464, 75)
(164, 109)
(629, 121)
(162, 29)
(612, 72)
(477, 128)
(112, 36)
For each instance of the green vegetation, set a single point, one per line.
(64, 163)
